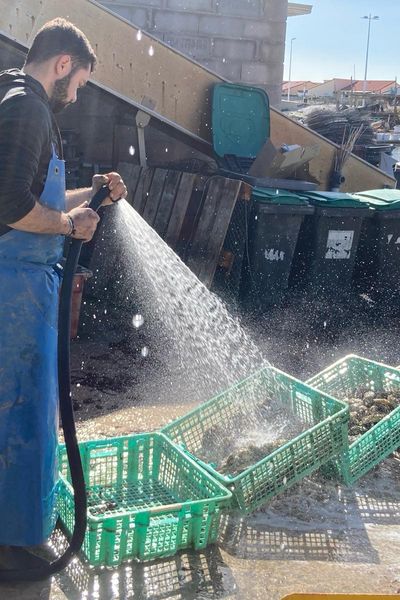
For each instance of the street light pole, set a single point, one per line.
(290, 67)
(370, 18)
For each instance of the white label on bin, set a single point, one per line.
(339, 244)
(272, 254)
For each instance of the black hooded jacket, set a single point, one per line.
(26, 137)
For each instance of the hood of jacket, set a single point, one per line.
(15, 81)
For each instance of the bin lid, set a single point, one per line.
(240, 120)
(377, 204)
(334, 200)
(277, 196)
(384, 199)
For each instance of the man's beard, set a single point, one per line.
(58, 98)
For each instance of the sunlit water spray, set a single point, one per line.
(203, 342)
(193, 347)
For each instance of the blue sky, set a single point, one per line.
(333, 38)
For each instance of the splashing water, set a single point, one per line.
(137, 321)
(206, 348)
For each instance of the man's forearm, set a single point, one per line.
(74, 198)
(43, 220)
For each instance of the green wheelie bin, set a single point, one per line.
(274, 220)
(378, 260)
(328, 245)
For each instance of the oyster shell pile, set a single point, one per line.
(367, 408)
(241, 441)
(243, 458)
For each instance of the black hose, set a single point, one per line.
(67, 419)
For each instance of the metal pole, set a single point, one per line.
(290, 67)
(367, 54)
(370, 18)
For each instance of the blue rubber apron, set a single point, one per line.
(29, 288)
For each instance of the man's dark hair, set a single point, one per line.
(62, 37)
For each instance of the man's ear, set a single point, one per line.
(63, 65)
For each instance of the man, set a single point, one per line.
(35, 215)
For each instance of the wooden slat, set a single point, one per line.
(179, 209)
(212, 226)
(155, 194)
(141, 193)
(190, 220)
(166, 205)
(130, 174)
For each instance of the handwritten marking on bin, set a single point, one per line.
(272, 254)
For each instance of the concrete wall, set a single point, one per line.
(242, 40)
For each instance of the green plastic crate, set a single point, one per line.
(341, 380)
(146, 499)
(326, 437)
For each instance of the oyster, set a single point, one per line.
(367, 408)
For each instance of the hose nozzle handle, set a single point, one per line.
(99, 197)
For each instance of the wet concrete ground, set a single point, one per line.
(349, 542)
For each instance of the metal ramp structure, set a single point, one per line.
(165, 85)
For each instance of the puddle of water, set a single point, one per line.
(189, 575)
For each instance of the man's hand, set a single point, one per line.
(84, 221)
(115, 184)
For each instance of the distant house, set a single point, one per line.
(340, 90)
(330, 88)
(298, 88)
(376, 86)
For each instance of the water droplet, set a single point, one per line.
(144, 351)
(137, 321)
(325, 324)
(131, 150)
(151, 51)
(139, 35)
(78, 385)
(166, 149)
(224, 60)
(94, 317)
